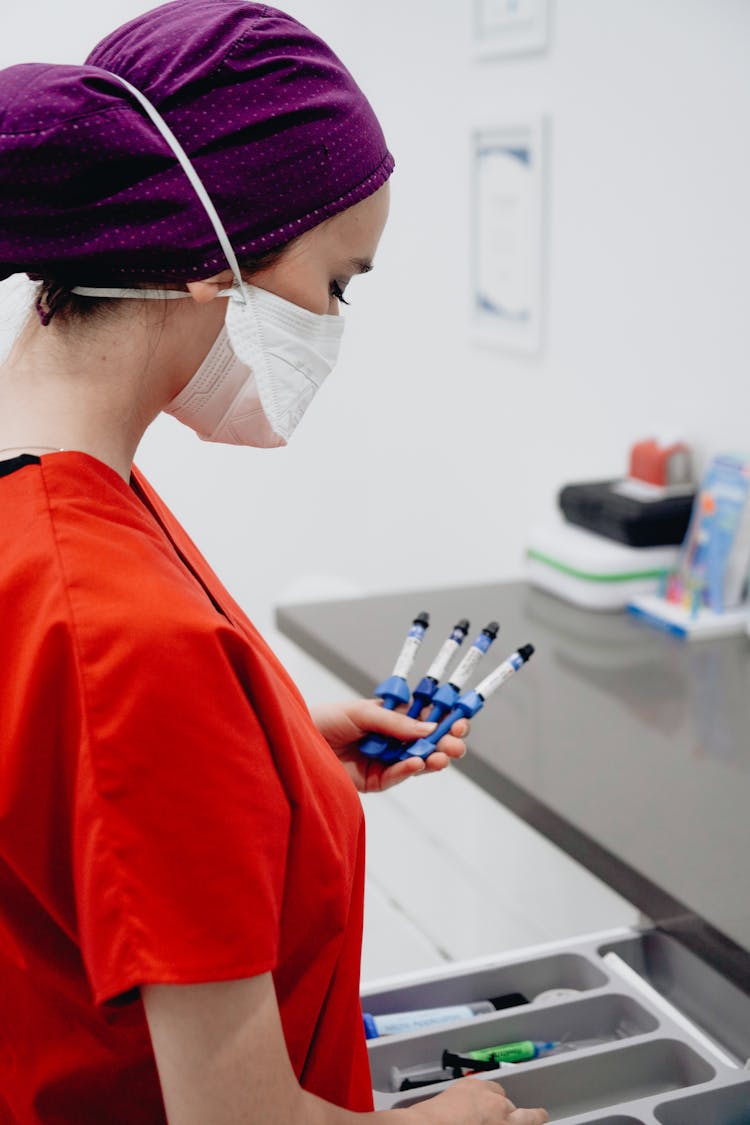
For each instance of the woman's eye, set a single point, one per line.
(338, 293)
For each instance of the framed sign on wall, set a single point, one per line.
(510, 27)
(507, 234)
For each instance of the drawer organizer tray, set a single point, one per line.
(665, 1038)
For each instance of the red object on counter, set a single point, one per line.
(660, 465)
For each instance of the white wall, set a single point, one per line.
(425, 458)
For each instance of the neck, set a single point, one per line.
(51, 400)
(94, 387)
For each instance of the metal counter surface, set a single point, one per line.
(627, 747)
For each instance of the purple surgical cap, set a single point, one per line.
(275, 126)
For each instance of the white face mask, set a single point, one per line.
(262, 372)
(268, 360)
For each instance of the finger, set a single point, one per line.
(528, 1117)
(372, 716)
(436, 762)
(439, 760)
(401, 771)
(451, 746)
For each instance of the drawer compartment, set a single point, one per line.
(561, 970)
(701, 993)
(727, 1106)
(576, 1085)
(609, 1016)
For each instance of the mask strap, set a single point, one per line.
(137, 294)
(199, 190)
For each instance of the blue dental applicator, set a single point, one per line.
(467, 705)
(447, 694)
(427, 686)
(395, 689)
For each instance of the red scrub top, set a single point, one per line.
(168, 810)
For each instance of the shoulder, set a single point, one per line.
(155, 658)
(117, 566)
(143, 626)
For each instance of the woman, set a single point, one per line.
(181, 854)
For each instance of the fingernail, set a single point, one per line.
(430, 726)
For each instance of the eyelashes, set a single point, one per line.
(337, 292)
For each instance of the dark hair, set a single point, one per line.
(56, 296)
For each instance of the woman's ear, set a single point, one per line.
(205, 290)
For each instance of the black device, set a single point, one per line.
(599, 507)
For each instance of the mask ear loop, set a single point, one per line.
(196, 182)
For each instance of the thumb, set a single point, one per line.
(397, 724)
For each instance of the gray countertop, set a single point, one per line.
(627, 747)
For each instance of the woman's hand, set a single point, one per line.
(344, 724)
(473, 1102)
